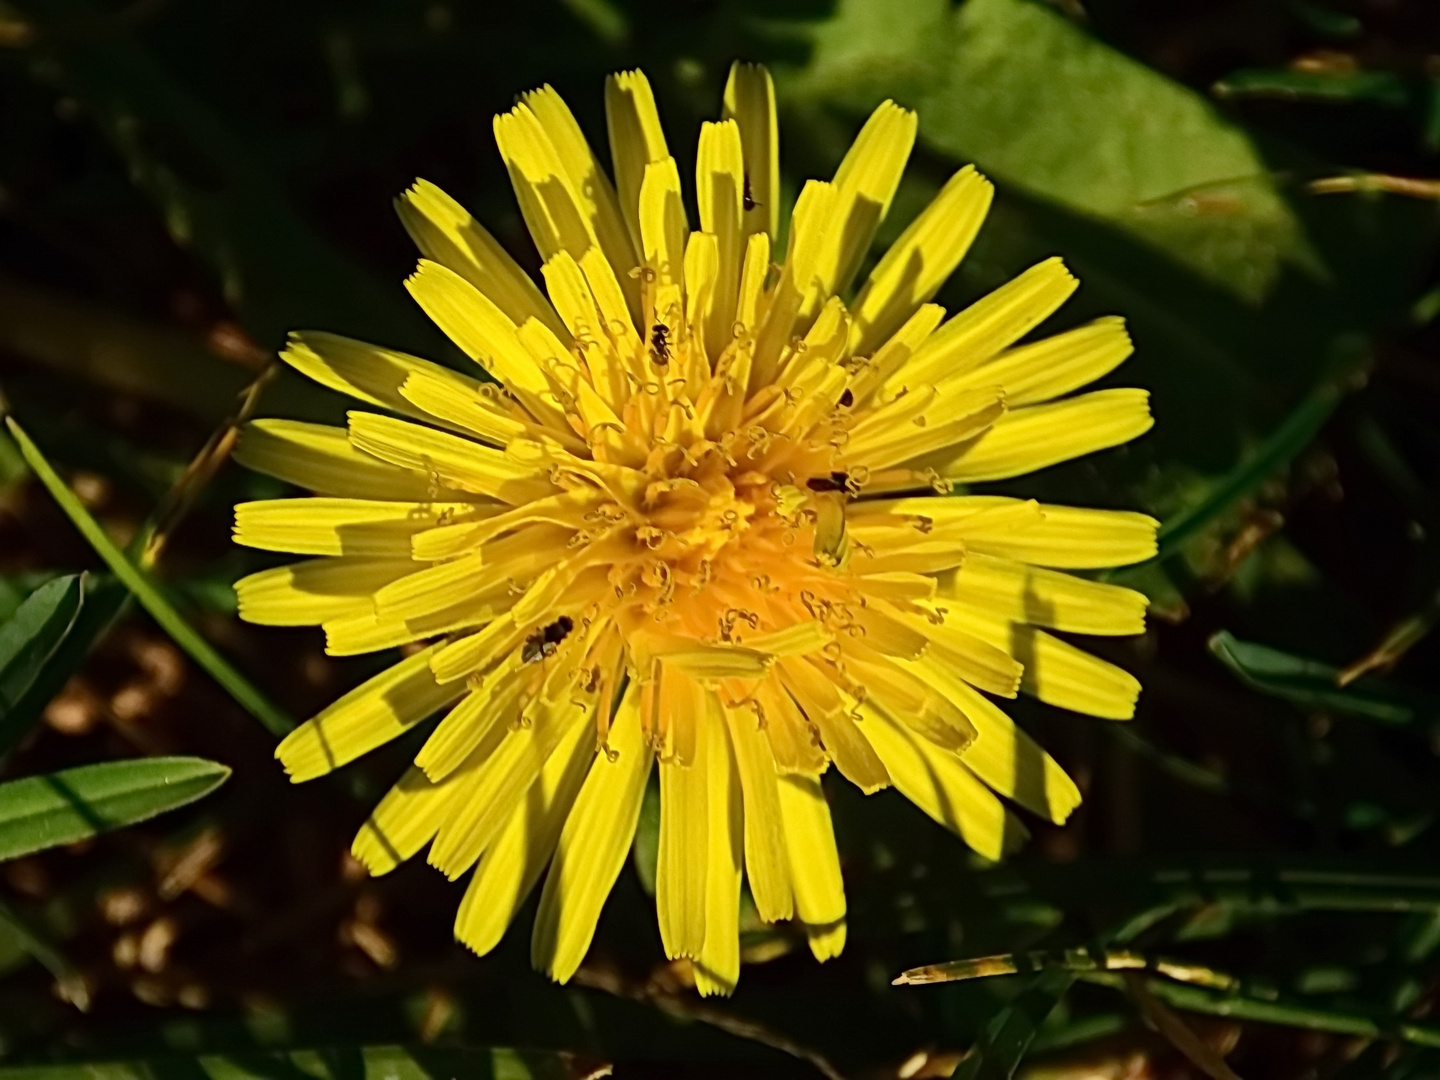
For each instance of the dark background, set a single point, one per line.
(1253, 184)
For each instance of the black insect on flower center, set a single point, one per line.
(836, 481)
(546, 640)
(747, 198)
(660, 344)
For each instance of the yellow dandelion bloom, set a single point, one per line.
(702, 521)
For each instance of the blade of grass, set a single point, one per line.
(29, 639)
(1311, 684)
(1277, 451)
(338, 1063)
(1243, 1006)
(36, 943)
(245, 693)
(58, 808)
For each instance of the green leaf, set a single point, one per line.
(245, 693)
(1069, 119)
(28, 641)
(340, 1063)
(1010, 1032)
(1273, 454)
(41, 812)
(105, 599)
(1313, 685)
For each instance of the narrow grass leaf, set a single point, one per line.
(338, 1063)
(1311, 684)
(150, 597)
(41, 812)
(29, 639)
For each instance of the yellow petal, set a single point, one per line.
(839, 734)
(500, 784)
(717, 968)
(482, 718)
(1012, 763)
(719, 189)
(402, 822)
(794, 744)
(939, 784)
(810, 842)
(350, 635)
(410, 814)
(766, 863)
(447, 458)
(1056, 365)
(509, 870)
(683, 860)
(323, 526)
(373, 713)
(587, 179)
(1023, 593)
(320, 458)
(1059, 674)
(475, 410)
(445, 233)
(826, 942)
(377, 376)
(560, 217)
(593, 846)
(663, 230)
(799, 283)
(750, 102)
(309, 593)
(990, 324)
(475, 654)
(1070, 537)
(636, 140)
(1037, 436)
(481, 330)
(865, 184)
(918, 263)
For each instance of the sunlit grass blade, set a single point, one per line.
(151, 599)
(41, 812)
(29, 639)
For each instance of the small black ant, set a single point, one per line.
(545, 641)
(836, 481)
(847, 399)
(747, 198)
(660, 344)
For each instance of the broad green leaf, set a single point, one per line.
(29, 639)
(1071, 120)
(339, 1063)
(150, 597)
(41, 812)
(1311, 684)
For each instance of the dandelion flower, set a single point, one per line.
(702, 521)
